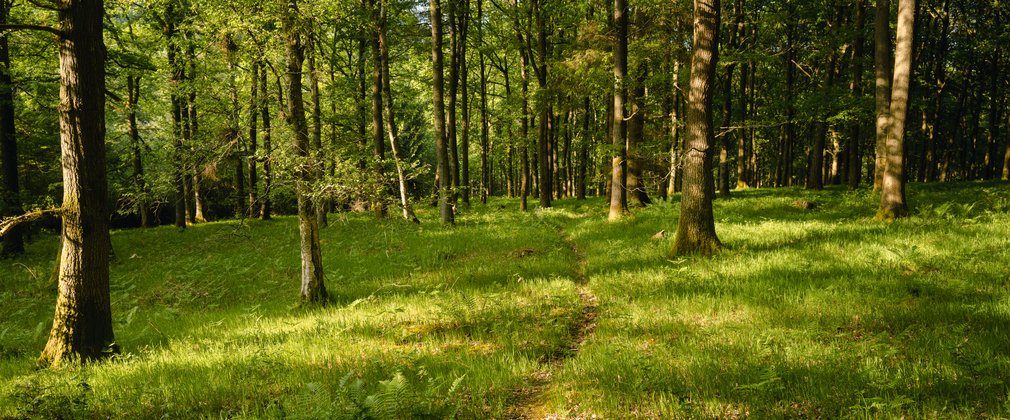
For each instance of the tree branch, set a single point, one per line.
(6, 225)
(21, 27)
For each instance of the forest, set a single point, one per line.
(541, 209)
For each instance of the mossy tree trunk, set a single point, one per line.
(82, 325)
(696, 227)
(313, 289)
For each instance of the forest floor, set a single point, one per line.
(548, 314)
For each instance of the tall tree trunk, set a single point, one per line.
(82, 325)
(989, 166)
(10, 190)
(389, 116)
(322, 202)
(266, 205)
(587, 138)
(892, 193)
(727, 122)
(194, 129)
(543, 158)
(235, 136)
(438, 115)
(452, 135)
(254, 109)
(785, 173)
(175, 80)
(854, 144)
(525, 181)
(637, 196)
(137, 149)
(464, 22)
(934, 133)
(696, 226)
(674, 131)
(618, 192)
(378, 144)
(485, 169)
(882, 74)
(313, 289)
(742, 180)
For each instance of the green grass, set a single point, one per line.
(823, 313)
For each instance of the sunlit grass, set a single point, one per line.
(822, 313)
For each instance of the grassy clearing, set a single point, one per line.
(806, 313)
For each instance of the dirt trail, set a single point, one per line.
(529, 401)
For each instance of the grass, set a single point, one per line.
(822, 313)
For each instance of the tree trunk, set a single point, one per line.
(854, 144)
(10, 190)
(674, 131)
(82, 325)
(892, 194)
(618, 193)
(175, 80)
(485, 169)
(378, 144)
(313, 289)
(543, 158)
(235, 137)
(266, 206)
(524, 187)
(696, 226)
(452, 135)
(637, 196)
(725, 130)
(389, 116)
(193, 130)
(438, 115)
(137, 149)
(882, 93)
(254, 109)
(322, 203)
(464, 182)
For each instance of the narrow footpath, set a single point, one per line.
(529, 402)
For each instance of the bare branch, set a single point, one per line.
(21, 27)
(9, 223)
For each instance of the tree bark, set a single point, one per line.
(82, 325)
(463, 16)
(618, 192)
(313, 289)
(485, 169)
(389, 116)
(452, 135)
(175, 80)
(378, 144)
(254, 109)
(10, 190)
(892, 193)
(696, 226)
(438, 114)
(637, 196)
(322, 203)
(854, 144)
(266, 205)
(545, 174)
(674, 131)
(882, 93)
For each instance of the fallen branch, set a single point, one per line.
(6, 225)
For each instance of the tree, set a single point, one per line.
(313, 289)
(391, 130)
(438, 114)
(82, 325)
(696, 227)
(618, 192)
(892, 192)
(882, 91)
(10, 190)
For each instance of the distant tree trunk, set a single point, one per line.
(322, 203)
(313, 289)
(674, 131)
(234, 135)
(1006, 155)
(933, 135)
(175, 80)
(587, 138)
(882, 73)
(727, 122)
(742, 180)
(378, 144)
(892, 195)
(452, 136)
(438, 115)
(252, 210)
(853, 145)
(193, 130)
(637, 196)
(464, 182)
(485, 169)
(391, 130)
(696, 226)
(266, 205)
(137, 149)
(82, 325)
(525, 181)
(785, 170)
(10, 190)
(543, 158)
(990, 167)
(618, 192)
